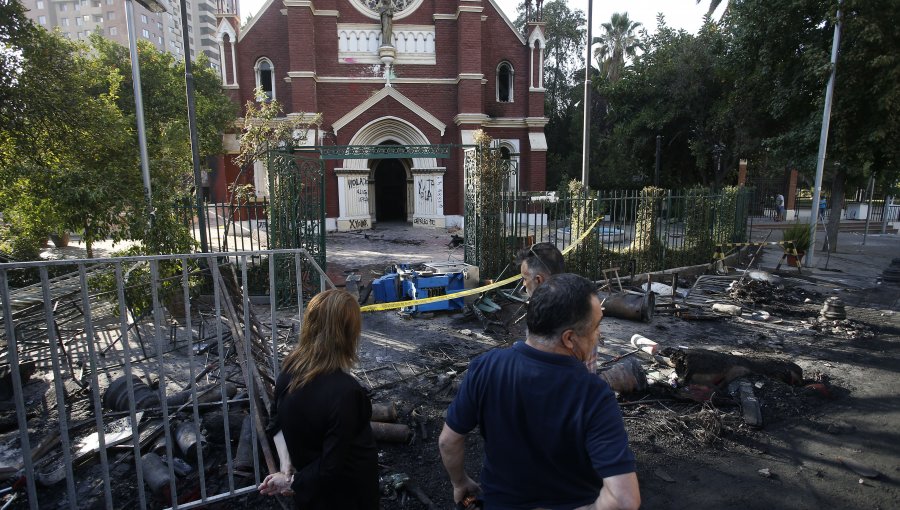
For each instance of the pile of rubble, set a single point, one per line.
(768, 291)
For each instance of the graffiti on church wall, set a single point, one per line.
(357, 195)
(427, 222)
(358, 224)
(428, 193)
(426, 189)
(359, 187)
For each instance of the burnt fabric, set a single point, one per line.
(327, 432)
(552, 430)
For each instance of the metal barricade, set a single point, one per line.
(126, 396)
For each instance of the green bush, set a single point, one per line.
(799, 234)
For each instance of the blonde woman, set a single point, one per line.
(324, 413)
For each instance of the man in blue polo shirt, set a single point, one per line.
(553, 433)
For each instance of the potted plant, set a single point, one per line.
(798, 234)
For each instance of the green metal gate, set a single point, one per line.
(491, 242)
(296, 217)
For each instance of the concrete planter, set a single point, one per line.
(60, 240)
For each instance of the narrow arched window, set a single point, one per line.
(265, 77)
(505, 82)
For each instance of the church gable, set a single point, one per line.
(379, 97)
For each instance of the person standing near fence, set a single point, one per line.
(823, 206)
(779, 207)
(324, 413)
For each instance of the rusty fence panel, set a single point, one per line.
(133, 388)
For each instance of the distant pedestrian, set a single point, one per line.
(779, 207)
(823, 205)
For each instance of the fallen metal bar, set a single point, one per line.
(13, 354)
(157, 319)
(186, 289)
(132, 412)
(218, 305)
(95, 385)
(60, 393)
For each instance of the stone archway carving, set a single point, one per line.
(356, 195)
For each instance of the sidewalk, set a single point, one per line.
(853, 272)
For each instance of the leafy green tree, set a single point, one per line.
(15, 32)
(63, 162)
(783, 49)
(618, 42)
(676, 89)
(68, 151)
(165, 112)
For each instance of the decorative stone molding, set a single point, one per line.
(358, 43)
(405, 101)
(538, 142)
(368, 7)
(470, 118)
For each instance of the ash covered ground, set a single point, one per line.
(843, 414)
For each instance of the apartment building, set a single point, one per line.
(77, 19)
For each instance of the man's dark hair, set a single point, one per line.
(543, 257)
(562, 302)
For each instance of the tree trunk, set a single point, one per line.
(837, 205)
(89, 242)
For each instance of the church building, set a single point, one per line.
(392, 73)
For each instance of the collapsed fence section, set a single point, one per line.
(133, 389)
(635, 230)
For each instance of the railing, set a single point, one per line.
(637, 231)
(231, 227)
(130, 323)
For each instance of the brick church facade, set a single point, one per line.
(450, 68)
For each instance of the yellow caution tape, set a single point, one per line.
(471, 292)
(435, 299)
(581, 238)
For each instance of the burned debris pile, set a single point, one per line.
(145, 411)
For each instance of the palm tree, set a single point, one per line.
(618, 41)
(713, 4)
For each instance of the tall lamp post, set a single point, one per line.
(152, 6)
(192, 127)
(586, 142)
(157, 7)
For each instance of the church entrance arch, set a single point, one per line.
(385, 188)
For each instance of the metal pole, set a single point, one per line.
(192, 127)
(138, 104)
(823, 141)
(586, 144)
(658, 160)
(870, 190)
(888, 200)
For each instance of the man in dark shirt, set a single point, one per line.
(553, 433)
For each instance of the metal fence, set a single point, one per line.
(638, 230)
(136, 365)
(230, 227)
